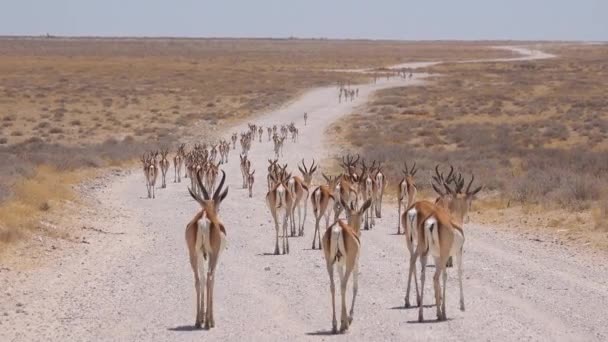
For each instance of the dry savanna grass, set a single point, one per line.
(532, 132)
(71, 104)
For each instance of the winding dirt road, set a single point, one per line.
(133, 281)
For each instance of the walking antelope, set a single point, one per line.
(299, 188)
(305, 118)
(178, 161)
(305, 183)
(273, 169)
(245, 166)
(269, 130)
(341, 248)
(368, 189)
(322, 199)
(380, 186)
(260, 133)
(440, 233)
(406, 193)
(345, 192)
(250, 180)
(164, 167)
(280, 202)
(234, 139)
(206, 239)
(350, 167)
(150, 166)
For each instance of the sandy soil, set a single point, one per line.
(132, 281)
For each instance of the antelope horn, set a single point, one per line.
(471, 182)
(200, 184)
(219, 188)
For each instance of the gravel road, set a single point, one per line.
(132, 282)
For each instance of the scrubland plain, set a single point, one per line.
(71, 104)
(533, 132)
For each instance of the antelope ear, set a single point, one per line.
(474, 192)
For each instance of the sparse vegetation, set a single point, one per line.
(534, 132)
(69, 103)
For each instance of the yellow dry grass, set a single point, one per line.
(83, 103)
(532, 132)
(34, 197)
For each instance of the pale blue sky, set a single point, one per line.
(391, 19)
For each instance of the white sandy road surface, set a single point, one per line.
(134, 283)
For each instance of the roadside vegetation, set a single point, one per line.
(72, 105)
(534, 133)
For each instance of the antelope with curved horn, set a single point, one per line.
(250, 180)
(151, 172)
(322, 199)
(406, 193)
(368, 189)
(245, 166)
(441, 235)
(178, 161)
(380, 186)
(280, 202)
(235, 137)
(299, 186)
(341, 248)
(206, 239)
(164, 167)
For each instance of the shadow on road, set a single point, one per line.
(321, 333)
(184, 328)
(411, 307)
(426, 321)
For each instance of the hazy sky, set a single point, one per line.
(398, 19)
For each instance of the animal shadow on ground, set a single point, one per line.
(184, 328)
(267, 254)
(402, 307)
(322, 333)
(426, 321)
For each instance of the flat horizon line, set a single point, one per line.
(135, 37)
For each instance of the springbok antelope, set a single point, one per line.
(341, 247)
(368, 190)
(178, 161)
(250, 180)
(322, 199)
(273, 169)
(206, 239)
(305, 183)
(150, 166)
(245, 166)
(269, 130)
(380, 186)
(164, 167)
(440, 233)
(260, 133)
(234, 139)
(350, 167)
(305, 118)
(406, 193)
(345, 192)
(280, 202)
(299, 191)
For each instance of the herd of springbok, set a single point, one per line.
(430, 227)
